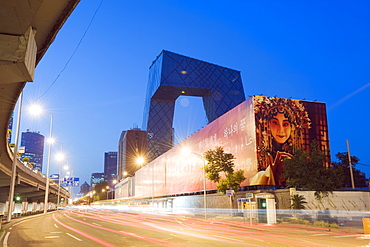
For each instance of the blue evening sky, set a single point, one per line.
(317, 50)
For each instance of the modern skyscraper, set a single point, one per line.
(110, 167)
(84, 188)
(34, 148)
(132, 150)
(96, 178)
(10, 128)
(172, 75)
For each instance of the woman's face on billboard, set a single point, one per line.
(280, 128)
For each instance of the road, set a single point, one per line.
(92, 227)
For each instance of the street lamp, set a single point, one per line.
(60, 177)
(37, 110)
(140, 161)
(107, 189)
(186, 151)
(126, 174)
(14, 167)
(60, 157)
(114, 188)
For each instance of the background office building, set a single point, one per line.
(84, 188)
(110, 167)
(131, 148)
(10, 128)
(33, 143)
(96, 178)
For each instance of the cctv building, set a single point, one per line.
(172, 75)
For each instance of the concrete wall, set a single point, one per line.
(338, 200)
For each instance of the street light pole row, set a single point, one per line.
(14, 167)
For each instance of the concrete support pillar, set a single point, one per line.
(17, 57)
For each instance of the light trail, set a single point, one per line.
(97, 240)
(195, 228)
(147, 239)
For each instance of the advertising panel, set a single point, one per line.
(176, 172)
(260, 133)
(282, 127)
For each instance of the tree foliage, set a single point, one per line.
(26, 159)
(343, 168)
(298, 202)
(99, 190)
(308, 170)
(220, 164)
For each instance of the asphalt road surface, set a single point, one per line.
(91, 227)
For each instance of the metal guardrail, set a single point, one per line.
(25, 208)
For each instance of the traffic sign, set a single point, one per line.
(229, 192)
(74, 182)
(249, 195)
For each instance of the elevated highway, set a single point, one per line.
(27, 29)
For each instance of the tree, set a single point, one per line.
(308, 170)
(26, 159)
(298, 202)
(344, 170)
(99, 190)
(221, 164)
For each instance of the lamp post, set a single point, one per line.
(60, 157)
(187, 151)
(114, 188)
(15, 158)
(60, 184)
(350, 165)
(48, 168)
(38, 110)
(103, 190)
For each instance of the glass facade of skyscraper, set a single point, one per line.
(110, 167)
(172, 75)
(34, 148)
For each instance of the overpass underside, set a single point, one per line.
(26, 32)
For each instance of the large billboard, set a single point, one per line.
(282, 127)
(260, 132)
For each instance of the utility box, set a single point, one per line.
(266, 208)
(366, 223)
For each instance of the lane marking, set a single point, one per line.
(96, 224)
(95, 239)
(133, 234)
(234, 239)
(52, 237)
(56, 226)
(346, 236)
(73, 236)
(18, 223)
(5, 242)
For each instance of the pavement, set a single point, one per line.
(344, 229)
